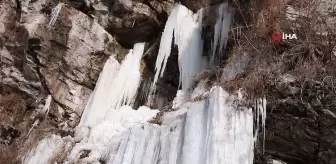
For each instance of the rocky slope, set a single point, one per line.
(58, 48)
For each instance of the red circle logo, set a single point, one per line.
(277, 35)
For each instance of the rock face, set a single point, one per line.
(8, 134)
(195, 5)
(134, 21)
(301, 126)
(62, 58)
(44, 51)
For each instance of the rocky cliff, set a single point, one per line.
(58, 48)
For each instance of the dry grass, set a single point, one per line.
(14, 112)
(8, 155)
(309, 58)
(14, 105)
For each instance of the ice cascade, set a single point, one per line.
(118, 86)
(185, 27)
(215, 129)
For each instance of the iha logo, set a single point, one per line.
(278, 35)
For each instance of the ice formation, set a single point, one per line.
(210, 130)
(221, 31)
(100, 138)
(46, 149)
(118, 86)
(100, 98)
(260, 112)
(184, 26)
(55, 13)
(128, 78)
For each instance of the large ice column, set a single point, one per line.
(184, 26)
(99, 101)
(193, 150)
(221, 31)
(116, 86)
(127, 80)
(190, 47)
(229, 131)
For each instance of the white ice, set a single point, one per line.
(98, 138)
(221, 31)
(185, 27)
(116, 86)
(127, 80)
(47, 149)
(55, 14)
(212, 131)
(100, 99)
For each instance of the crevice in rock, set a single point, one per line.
(31, 51)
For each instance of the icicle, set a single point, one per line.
(190, 53)
(226, 21)
(264, 103)
(128, 78)
(260, 112)
(184, 26)
(217, 30)
(221, 30)
(55, 13)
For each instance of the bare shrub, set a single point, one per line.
(309, 58)
(8, 155)
(14, 105)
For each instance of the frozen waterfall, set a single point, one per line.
(211, 130)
